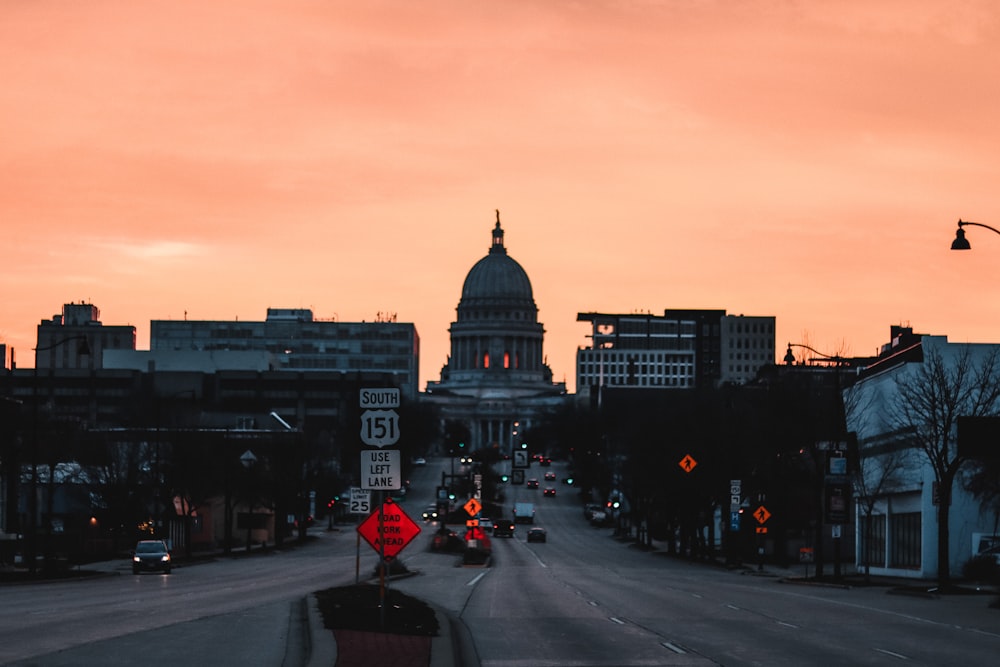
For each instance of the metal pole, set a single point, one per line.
(382, 569)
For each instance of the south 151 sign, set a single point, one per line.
(379, 421)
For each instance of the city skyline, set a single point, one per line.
(808, 162)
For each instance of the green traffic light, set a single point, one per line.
(504, 478)
(524, 445)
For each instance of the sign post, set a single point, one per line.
(380, 470)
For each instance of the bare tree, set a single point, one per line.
(931, 399)
(879, 468)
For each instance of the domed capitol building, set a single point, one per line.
(496, 381)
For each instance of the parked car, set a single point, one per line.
(536, 534)
(503, 528)
(151, 555)
(598, 518)
(589, 509)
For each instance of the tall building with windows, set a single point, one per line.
(496, 380)
(297, 341)
(681, 349)
(746, 344)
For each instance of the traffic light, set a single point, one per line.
(461, 445)
(524, 445)
(504, 478)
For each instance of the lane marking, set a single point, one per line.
(892, 653)
(788, 625)
(673, 647)
(618, 620)
(476, 579)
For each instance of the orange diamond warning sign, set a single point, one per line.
(392, 532)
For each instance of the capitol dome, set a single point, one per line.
(497, 277)
(496, 380)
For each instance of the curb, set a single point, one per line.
(322, 647)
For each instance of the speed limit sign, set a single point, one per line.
(361, 501)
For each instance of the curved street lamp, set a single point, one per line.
(839, 410)
(960, 242)
(789, 357)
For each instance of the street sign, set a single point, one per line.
(761, 514)
(517, 477)
(472, 507)
(361, 501)
(397, 529)
(380, 398)
(688, 463)
(379, 427)
(381, 469)
(734, 521)
(520, 459)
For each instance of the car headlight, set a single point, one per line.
(136, 559)
(165, 559)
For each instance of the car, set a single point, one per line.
(550, 476)
(151, 555)
(598, 518)
(465, 459)
(503, 528)
(545, 461)
(420, 461)
(447, 540)
(532, 483)
(486, 524)
(549, 491)
(589, 509)
(536, 534)
(431, 513)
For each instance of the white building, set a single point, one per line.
(896, 476)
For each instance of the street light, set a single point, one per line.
(841, 426)
(960, 242)
(32, 532)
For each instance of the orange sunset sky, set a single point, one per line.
(213, 158)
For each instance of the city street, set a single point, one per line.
(580, 598)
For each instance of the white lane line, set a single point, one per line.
(673, 647)
(617, 620)
(476, 579)
(892, 653)
(787, 625)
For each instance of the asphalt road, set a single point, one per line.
(582, 598)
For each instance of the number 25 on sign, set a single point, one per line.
(379, 427)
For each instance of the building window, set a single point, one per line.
(873, 539)
(905, 537)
